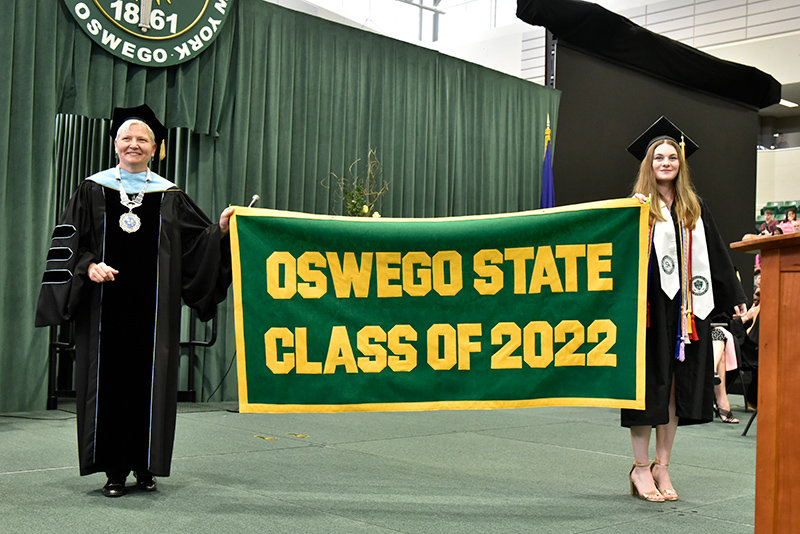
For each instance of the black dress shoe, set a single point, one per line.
(146, 482)
(115, 487)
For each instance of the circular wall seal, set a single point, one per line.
(152, 33)
(668, 264)
(700, 285)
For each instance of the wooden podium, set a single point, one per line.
(778, 441)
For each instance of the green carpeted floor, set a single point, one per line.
(548, 470)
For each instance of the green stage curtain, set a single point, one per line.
(276, 105)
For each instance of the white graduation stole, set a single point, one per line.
(702, 295)
(666, 247)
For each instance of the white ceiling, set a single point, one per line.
(778, 56)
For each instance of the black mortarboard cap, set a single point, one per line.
(663, 128)
(144, 114)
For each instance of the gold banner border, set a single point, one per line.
(435, 405)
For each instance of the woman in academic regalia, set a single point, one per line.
(690, 276)
(127, 249)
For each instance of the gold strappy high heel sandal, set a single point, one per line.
(653, 496)
(669, 494)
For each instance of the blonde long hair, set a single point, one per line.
(686, 204)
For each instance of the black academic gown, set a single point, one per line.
(127, 332)
(694, 377)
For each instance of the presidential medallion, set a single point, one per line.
(130, 222)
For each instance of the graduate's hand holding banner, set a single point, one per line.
(541, 308)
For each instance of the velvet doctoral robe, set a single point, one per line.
(127, 331)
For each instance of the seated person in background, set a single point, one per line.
(724, 361)
(790, 225)
(745, 331)
(769, 224)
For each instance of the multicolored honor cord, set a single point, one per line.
(688, 331)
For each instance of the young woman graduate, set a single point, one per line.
(128, 247)
(690, 275)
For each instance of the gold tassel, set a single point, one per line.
(547, 134)
(163, 149)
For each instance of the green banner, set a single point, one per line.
(542, 308)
